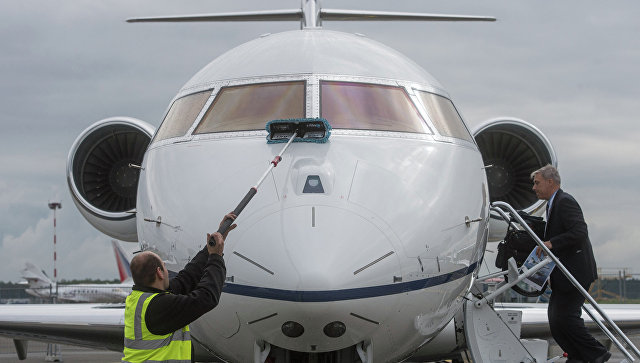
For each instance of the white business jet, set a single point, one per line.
(359, 248)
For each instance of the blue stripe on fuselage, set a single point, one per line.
(346, 294)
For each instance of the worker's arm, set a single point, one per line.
(188, 278)
(169, 312)
(195, 291)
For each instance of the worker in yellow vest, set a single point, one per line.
(158, 311)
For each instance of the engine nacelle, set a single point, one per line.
(102, 183)
(512, 149)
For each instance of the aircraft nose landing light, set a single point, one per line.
(313, 185)
(334, 329)
(292, 329)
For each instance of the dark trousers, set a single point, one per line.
(567, 327)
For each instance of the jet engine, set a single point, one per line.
(103, 171)
(511, 149)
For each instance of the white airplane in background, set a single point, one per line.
(40, 285)
(362, 248)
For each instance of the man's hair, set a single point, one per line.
(143, 268)
(548, 172)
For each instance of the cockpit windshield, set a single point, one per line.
(181, 115)
(250, 107)
(346, 105)
(444, 116)
(362, 106)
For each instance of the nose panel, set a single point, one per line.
(313, 248)
(319, 272)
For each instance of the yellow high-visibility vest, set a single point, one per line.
(140, 345)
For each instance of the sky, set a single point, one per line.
(571, 68)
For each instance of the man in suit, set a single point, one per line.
(567, 237)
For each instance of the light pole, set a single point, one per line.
(54, 206)
(53, 350)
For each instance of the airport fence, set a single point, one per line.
(618, 288)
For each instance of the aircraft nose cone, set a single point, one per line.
(314, 249)
(315, 279)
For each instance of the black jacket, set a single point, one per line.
(567, 232)
(193, 292)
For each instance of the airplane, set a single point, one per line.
(362, 248)
(41, 286)
(124, 269)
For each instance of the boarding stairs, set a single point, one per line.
(488, 341)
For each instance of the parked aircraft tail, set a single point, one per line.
(39, 283)
(35, 276)
(122, 261)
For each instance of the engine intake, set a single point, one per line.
(514, 148)
(102, 183)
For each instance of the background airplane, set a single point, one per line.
(40, 285)
(124, 269)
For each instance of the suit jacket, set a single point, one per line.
(567, 231)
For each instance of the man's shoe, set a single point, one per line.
(603, 358)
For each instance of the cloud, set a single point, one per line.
(612, 251)
(28, 246)
(79, 254)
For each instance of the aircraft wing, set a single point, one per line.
(91, 325)
(535, 323)
(98, 326)
(101, 326)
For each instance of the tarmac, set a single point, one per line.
(616, 354)
(73, 354)
(68, 353)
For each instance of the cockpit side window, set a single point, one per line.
(181, 115)
(250, 107)
(362, 106)
(444, 116)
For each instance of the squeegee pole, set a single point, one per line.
(243, 203)
(276, 160)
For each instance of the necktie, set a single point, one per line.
(546, 224)
(547, 211)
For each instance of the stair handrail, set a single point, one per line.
(517, 277)
(496, 206)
